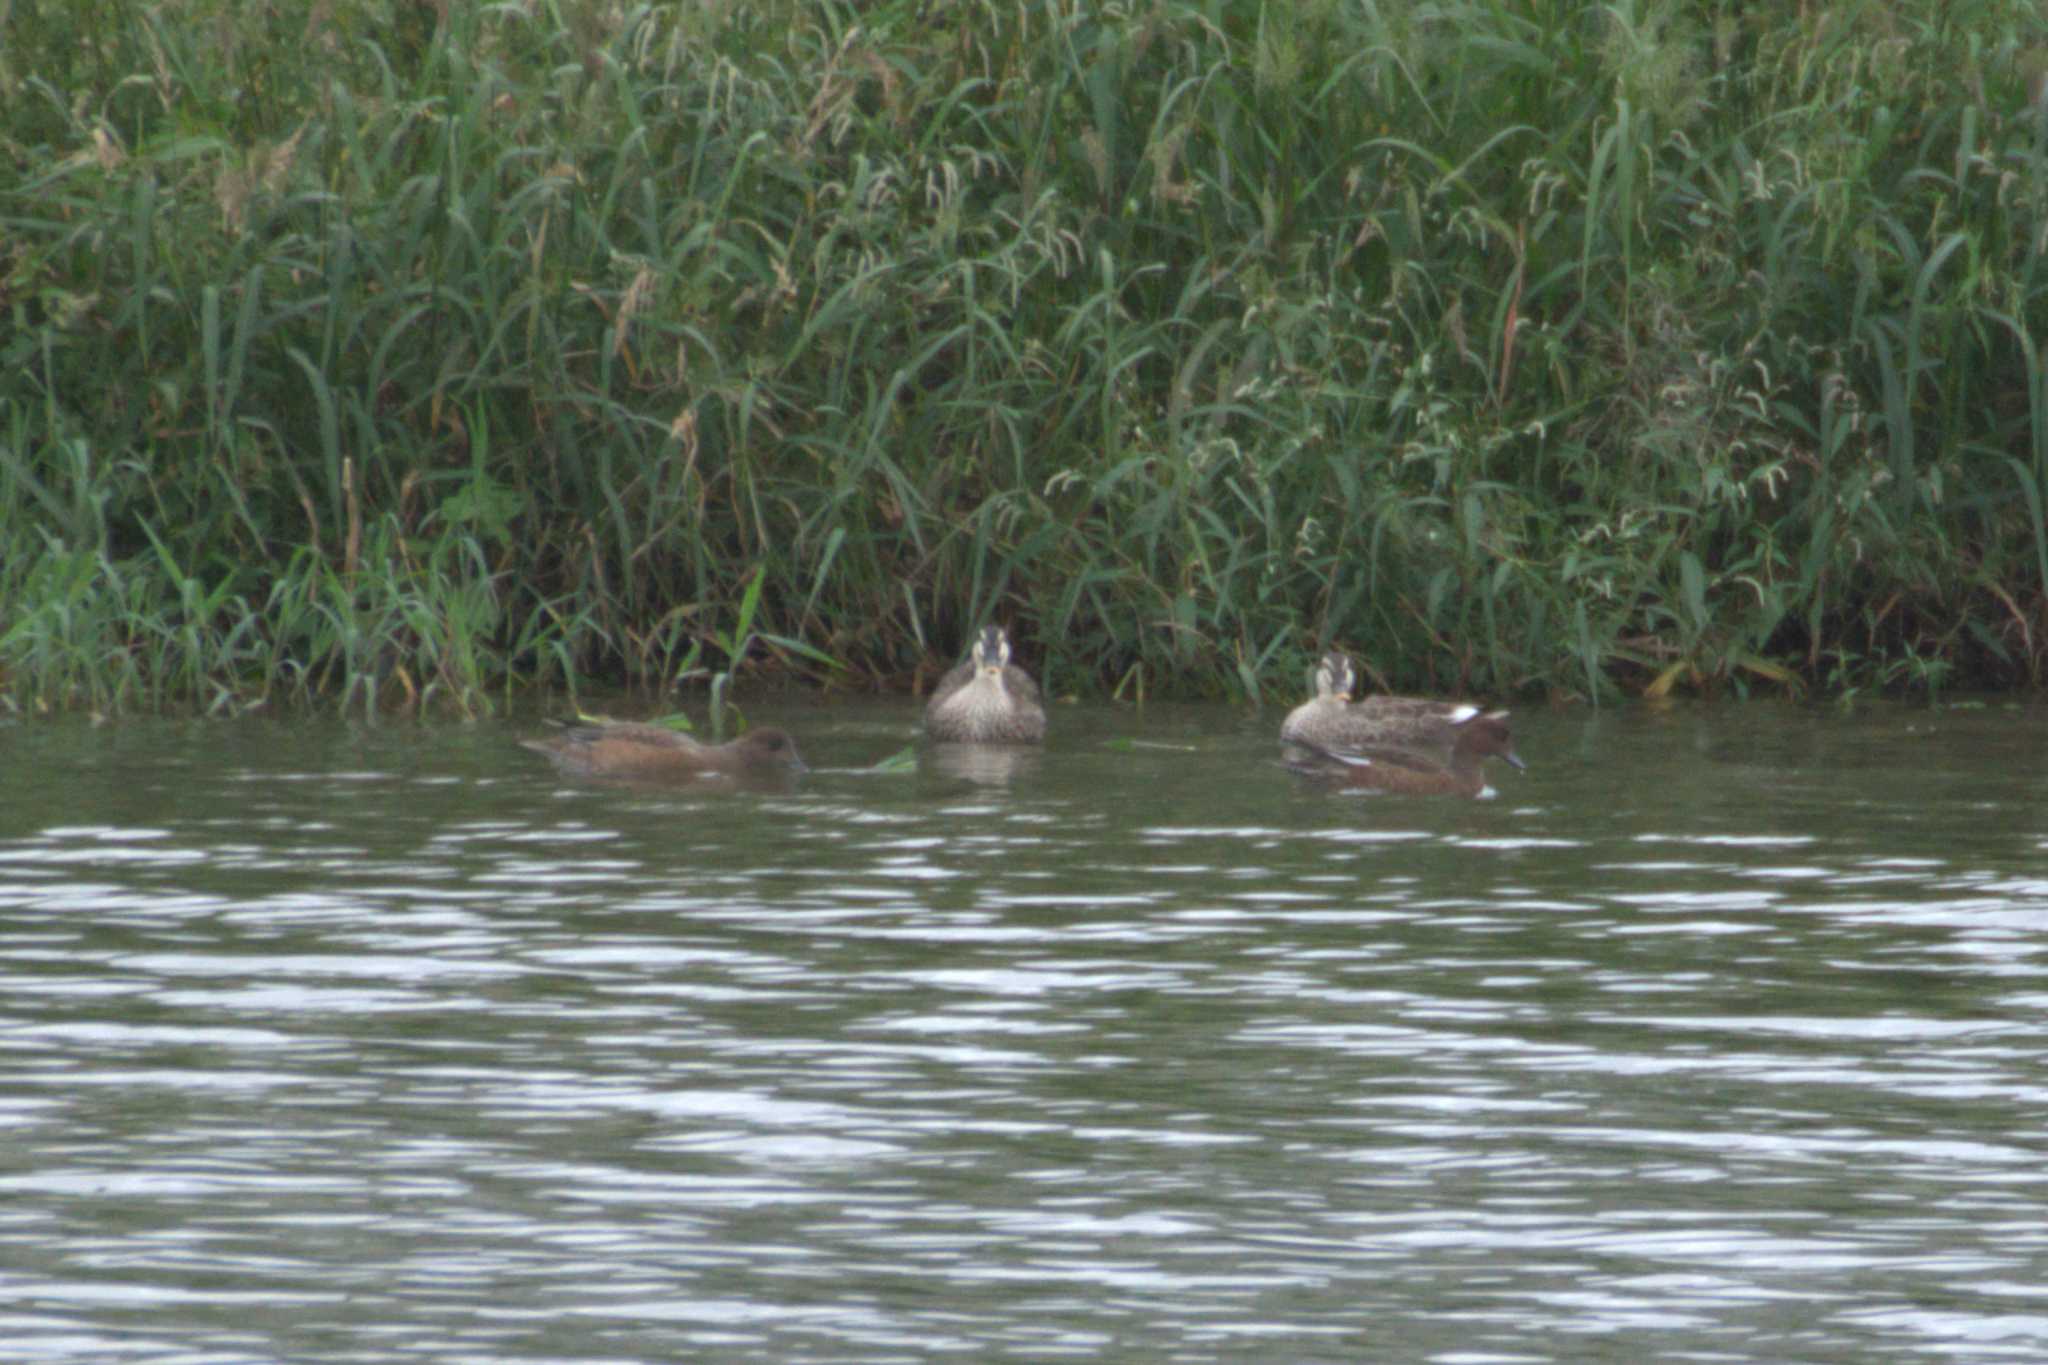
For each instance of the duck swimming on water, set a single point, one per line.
(635, 749)
(987, 699)
(1410, 772)
(1335, 719)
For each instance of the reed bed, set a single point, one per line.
(387, 355)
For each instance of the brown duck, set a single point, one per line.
(633, 749)
(1332, 719)
(988, 699)
(1411, 772)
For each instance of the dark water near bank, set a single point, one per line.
(1721, 1034)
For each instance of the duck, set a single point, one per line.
(638, 750)
(987, 699)
(1408, 772)
(1333, 720)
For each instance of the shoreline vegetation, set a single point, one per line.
(412, 355)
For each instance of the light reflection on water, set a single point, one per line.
(1719, 1031)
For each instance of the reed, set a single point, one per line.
(397, 356)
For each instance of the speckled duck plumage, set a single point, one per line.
(1409, 772)
(987, 699)
(1333, 720)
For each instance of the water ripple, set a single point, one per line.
(360, 1046)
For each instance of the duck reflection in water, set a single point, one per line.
(640, 752)
(984, 765)
(1474, 738)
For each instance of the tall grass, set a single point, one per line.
(395, 355)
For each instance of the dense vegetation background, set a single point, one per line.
(401, 353)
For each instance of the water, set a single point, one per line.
(1720, 1034)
